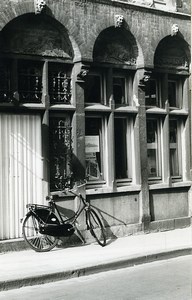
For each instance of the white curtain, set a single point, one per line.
(20, 170)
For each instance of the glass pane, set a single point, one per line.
(5, 84)
(93, 150)
(60, 153)
(121, 165)
(150, 93)
(152, 149)
(172, 94)
(173, 143)
(119, 90)
(30, 81)
(59, 84)
(93, 89)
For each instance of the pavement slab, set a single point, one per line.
(27, 267)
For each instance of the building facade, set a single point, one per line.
(97, 89)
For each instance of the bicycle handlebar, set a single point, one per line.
(65, 191)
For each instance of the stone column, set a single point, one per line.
(78, 122)
(141, 79)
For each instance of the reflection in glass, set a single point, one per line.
(93, 151)
(173, 143)
(153, 149)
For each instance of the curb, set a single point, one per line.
(125, 263)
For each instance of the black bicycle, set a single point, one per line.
(43, 225)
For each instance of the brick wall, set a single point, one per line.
(84, 21)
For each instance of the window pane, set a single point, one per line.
(119, 90)
(93, 148)
(59, 84)
(172, 94)
(30, 81)
(153, 149)
(151, 94)
(60, 152)
(5, 86)
(173, 143)
(121, 151)
(93, 89)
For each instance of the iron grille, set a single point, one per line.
(60, 154)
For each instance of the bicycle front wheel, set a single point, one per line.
(96, 227)
(37, 241)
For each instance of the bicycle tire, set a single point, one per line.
(37, 241)
(96, 228)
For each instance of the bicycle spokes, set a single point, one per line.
(31, 232)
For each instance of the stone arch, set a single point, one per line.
(172, 52)
(36, 35)
(117, 46)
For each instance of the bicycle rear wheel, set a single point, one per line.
(31, 233)
(96, 227)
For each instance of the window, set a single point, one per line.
(5, 81)
(109, 128)
(123, 153)
(153, 148)
(122, 88)
(93, 89)
(60, 151)
(30, 81)
(175, 148)
(119, 90)
(165, 127)
(175, 92)
(26, 77)
(151, 93)
(94, 148)
(59, 83)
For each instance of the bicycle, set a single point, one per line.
(43, 225)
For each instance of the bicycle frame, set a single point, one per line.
(53, 207)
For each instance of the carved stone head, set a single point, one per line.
(119, 20)
(39, 5)
(174, 29)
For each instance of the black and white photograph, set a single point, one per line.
(95, 150)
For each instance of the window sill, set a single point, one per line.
(171, 185)
(156, 110)
(62, 107)
(179, 112)
(110, 190)
(128, 109)
(23, 105)
(97, 107)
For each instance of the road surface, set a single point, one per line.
(162, 280)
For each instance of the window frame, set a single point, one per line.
(129, 149)
(158, 148)
(178, 148)
(102, 145)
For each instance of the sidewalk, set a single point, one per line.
(29, 267)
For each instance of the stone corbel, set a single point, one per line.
(81, 76)
(146, 77)
(39, 6)
(119, 21)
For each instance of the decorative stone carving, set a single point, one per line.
(83, 73)
(119, 20)
(39, 5)
(174, 29)
(146, 77)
